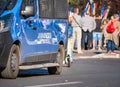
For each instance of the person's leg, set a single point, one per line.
(103, 40)
(94, 44)
(69, 47)
(112, 46)
(79, 36)
(83, 39)
(89, 40)
(73, 37)
(70, 51)
(119, 41)
(94, 41)
(109, 46)
(99, 41)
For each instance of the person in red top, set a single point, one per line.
(113, 37)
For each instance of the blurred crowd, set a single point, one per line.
(91, 32)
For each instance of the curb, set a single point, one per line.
(103, 55)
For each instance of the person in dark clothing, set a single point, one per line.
(88, 26)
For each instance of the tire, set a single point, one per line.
(60, 57)
(12, 67)
(69, 62)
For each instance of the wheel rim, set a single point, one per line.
(13, 61)
(59, 56)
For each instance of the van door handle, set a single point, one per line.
(31, 24)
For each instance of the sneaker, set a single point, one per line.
(75, 51)
(109, 52)
(104, 48)
(80, 52)
(99, 49)
(63, 62)
(93, 49)
(113, 52)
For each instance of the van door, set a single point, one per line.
(47, 18)
(53, 14)
(54, 19)
(33, 42)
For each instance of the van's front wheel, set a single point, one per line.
(12, 68)
(59, 60)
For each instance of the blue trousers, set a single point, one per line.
(110, 46)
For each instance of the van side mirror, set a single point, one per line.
(29, 11)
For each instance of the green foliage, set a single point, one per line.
(77, 2)
(74, 2)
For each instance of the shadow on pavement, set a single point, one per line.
(97, 52)
(32, 72)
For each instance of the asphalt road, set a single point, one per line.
(83, 73)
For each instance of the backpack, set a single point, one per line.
(110, 28)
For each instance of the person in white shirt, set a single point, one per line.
(77, 31)
(88, 26)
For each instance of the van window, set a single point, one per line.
(7, 5)
(56, 9)
(46, 8)
(27, 3)
(61, 9)
(11, 4)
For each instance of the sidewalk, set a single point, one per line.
(96, 54)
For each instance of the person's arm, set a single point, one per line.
(119, 28)
(94, 24)
(102, 26)
(70, 20)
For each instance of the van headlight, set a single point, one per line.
(2, 25)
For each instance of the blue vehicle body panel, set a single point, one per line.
(45, 38)
(37, 36)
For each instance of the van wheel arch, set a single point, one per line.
(59, 59)
(12, 67)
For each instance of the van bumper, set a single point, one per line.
(5, 45)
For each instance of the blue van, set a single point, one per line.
(33, 34)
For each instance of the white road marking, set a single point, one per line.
(56, 84)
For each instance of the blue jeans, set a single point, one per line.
(97, 36)
(110, 46)
(89, 39)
